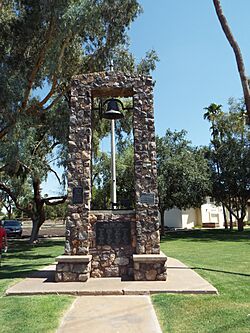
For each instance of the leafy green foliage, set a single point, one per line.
(26, 154)
(42, 45)
(101, 178)
(57, 211)
(47, 42)
(229, 157)
(148, 63)
(183, 175)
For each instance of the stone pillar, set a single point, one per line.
(75, 265)
(147, 224)
(79, 172)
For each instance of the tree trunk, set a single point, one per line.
(237, 52)
(162, 222)
(35, 230)
(225, 217)
(231, 220)
(9, 214)
(37, 222)
(38, 216)
(8, 208)
(240, 224)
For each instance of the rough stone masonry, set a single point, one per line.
(138, 257)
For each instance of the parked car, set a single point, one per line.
(13, 228)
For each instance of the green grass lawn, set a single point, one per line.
(222, 258)
(29, 314)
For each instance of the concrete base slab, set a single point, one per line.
(111, 314)
(181, 279)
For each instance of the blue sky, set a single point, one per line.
(197, 65)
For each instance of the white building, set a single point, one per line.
(209, 215)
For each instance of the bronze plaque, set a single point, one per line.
(147, 198)
(77, 195)
(113, 233)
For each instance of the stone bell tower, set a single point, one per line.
(112, 243)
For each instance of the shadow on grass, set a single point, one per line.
(208, 235)
(220, 271)
(24, 245)
(26, 256)
(22, 271)
(26, 272)
(22, 249)
(21, 262)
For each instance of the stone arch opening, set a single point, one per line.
(101, 166)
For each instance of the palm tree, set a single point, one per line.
(237, 52)
(213, 111)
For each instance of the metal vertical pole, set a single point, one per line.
(113, 169)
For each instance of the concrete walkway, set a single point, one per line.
(110, 314)
(181, 279)
(113, 306)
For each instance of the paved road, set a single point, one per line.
(49, 228)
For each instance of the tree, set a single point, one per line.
(7, 203)
(101, 173)
(212, 112)
(183, 173)
(26, 161)
(56, 211)
(237, 52)
(229, 158)
(43, 44)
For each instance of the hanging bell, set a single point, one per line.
(112, 111)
